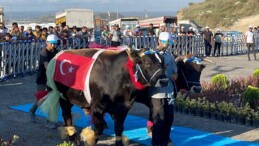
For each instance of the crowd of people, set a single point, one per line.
(17, 32)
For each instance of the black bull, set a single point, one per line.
(188, 79)
(111, 89)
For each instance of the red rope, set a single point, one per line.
(137, 84)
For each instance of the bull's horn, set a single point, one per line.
(208, 60)
(179, 58)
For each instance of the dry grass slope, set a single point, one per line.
(222, 13)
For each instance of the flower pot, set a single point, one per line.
(176, 109)
(186, 111)
(220, 117)
(213, 115)
(248, 122)
(180, 110)
(206, 114)
(241, 120)
(227, 118)
(234, 119)
(199, 113)
(192, 112)
(256, 123)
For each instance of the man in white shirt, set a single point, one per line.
(250, 42)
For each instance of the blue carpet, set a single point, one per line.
(135, 129)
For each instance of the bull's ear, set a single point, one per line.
(135, 56)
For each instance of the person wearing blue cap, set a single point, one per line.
(46, 55)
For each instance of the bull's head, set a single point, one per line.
(189, 72)
(149, 67)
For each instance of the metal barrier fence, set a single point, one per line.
(22, 57)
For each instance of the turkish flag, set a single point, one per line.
(71, 70)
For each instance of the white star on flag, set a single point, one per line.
(70, 70)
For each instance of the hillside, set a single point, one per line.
(221, 13)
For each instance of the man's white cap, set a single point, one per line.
(53, 39)
(218, 29)
(137, 25)
(250, 26)
(182, 26)
(127, 26)
(207, 27)
(162, 24)
(190, 28)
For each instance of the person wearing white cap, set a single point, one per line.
(46, 55)
(250, 42)
(162, 96)
(190, 32)
(137, 31)
(218, 37)
(208, 37)
(127, 33)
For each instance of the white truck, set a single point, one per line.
(122, 22)
(76, 17)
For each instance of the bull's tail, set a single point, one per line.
(51, 105)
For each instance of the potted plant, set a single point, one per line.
(199, 105)
(179, 104)
(233, 114)
(206, 109)
(213, 110)
(256, 119)
(242, 112)
(186, 105)
(220, 108)
(192, 107)
(225, 110)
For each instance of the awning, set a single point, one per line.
(60, 20)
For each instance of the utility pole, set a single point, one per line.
(117, 9)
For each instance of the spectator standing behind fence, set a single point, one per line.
(46, 55)
(150, 30)
(3, 29)
(218, 37)
(250, 42)
(37, 32)
(116, 36)
(23, 33)
(51, 30)
(29, 34)
(44, 33)
(74, 32)
(174, 35)
(16, 35)
(105, 35)
(208, 37)
(127, 33)
(84, 35)
(137, 31)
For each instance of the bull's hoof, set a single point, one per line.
(122, 141)
(125, 140)
(66, 131)
(88, 137)
(149, 131)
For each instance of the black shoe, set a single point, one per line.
(33, 109)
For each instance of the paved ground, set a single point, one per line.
(20, 91)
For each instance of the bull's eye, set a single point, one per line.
(147, 64)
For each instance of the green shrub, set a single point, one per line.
(250, 95)
(220, 80)
(66, 144)
(256, 73)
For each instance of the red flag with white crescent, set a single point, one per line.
(71, 70)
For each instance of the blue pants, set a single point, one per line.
(207, 47)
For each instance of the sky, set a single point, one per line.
(96, 5)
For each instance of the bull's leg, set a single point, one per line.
(89, 136)
(119, 119)
(68, 125)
